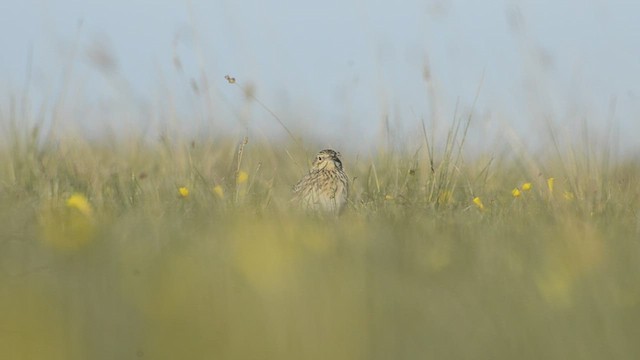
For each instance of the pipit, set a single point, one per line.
(325, 187)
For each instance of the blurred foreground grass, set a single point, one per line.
(186, 250)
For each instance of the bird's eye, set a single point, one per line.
(319, 158)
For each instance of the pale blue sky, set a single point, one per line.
(333, 68)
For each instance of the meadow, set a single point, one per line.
(190, 249)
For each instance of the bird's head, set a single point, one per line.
(327, 160)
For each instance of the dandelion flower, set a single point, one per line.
(218, 191)
(478, 202)
(80, 202)
(67, 227)
(183, 191)
(526, 186)
(550, 184)
(242, 177)
(516, 192)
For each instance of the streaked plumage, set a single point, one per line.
(326, 186)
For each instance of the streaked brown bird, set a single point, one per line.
(326, 186)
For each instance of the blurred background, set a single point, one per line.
(145, 211)
(331, 70)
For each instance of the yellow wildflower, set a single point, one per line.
(526, 186)
(388, 197)
(183, 191)
(242, 177)
(550, 184)
(478, 202)
(218, 191)
(67, 227)
(568, 195)
(80, 202)
(515, 192)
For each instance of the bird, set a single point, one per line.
(326, 187)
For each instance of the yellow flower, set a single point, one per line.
(242, 177)
(478, 202)
(80, 202)
(568, 195)
(550, 184)
(218, 191)
(388, 197)
(515, 192)
(526, 186)
(67, 227)
(183, 191)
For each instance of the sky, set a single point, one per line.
(342, 73)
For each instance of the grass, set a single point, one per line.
(190, 249)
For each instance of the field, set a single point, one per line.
(190, 249)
